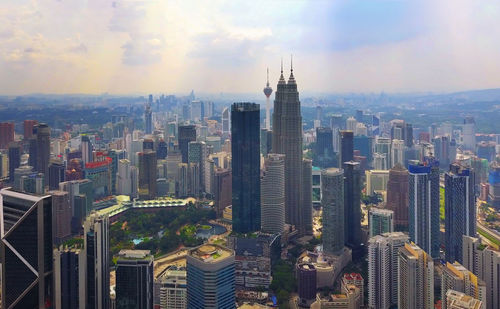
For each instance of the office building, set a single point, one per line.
(4, 164)
(457, 300)
(26, 250)
(306, 280)
(134, 279)
(273, 194)
(494, 185)
(42, 148)
(352, 204)
(380, 221)
(14, 159)
(6, 134)
(226, 121)
(61, 212)
(187, 133)
(380, 161)
(460, 209)
(397, 152)
(56, 174)
(346, 146)
(245, 144)
(332, 202)
(171, 288)
(383, 148)
(28, 128)
(87, 149)
(383, 253)
(148, 118)
(198, 153)
(210, 277)
(484, 262)
(96, 244)
(99, 172)
(69, 278)
(287, 140)
(222, 190)
(397, 196)
(415, 278)
(124, 178)
(376, 181)
(81, 197)
(147, 175)
(306, 208)
(469, 133)
(324, 147)
(423, 208)
(458, 278)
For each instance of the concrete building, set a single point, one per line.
(332, 202)
(172, 288)
(380, 221)
(376, 181)
(397, 196)
(61, 213)
(457, 300)
(415, 278)
(273, 194)
(456, 277)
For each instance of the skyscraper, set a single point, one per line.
(380, 221)
(352, 204)
(424, 206)
(222, 190)
(56, 174)
(306, 207)
(245, 149)
(226, 121)
(306, 279)
(346, 146)
(324, 147)
(415, 278)
(96, 242)
(460, 210)
(134, 279)
(273, 194)
(42, 148)
(287, 140)
(484, 262)
(61, 211)
(458, 278)
(198, 153)
(14, 159)
(469, 133)
(397, 196)
(6, 134)
(28, 128)
(187, 133)
(383, 253)
(87, 149)
(332, 202)
(69, 278)
(148, 118)
(210, 277)
(147, 175)
(26, 250)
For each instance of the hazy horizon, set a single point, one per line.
(134, 47)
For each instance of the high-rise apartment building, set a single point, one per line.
(424, 206)
(26, 250)
(458, 278)
(352, 203)
(171, 288)
(332, 202)
(484, 262)
(96, 244)
(287, 140)
(273, 194)
(147, 175)
(397, 196)
(460, 210)
(397, 152)
(245, 149)
(134, 279)
(415, 278)
(210, 278)
(383, 253)
(457, 300)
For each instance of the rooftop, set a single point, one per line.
(135, 254)
(211, 253)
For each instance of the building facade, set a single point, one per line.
(332, 202)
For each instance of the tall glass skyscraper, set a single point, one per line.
(332, 202)
(352, 204)
(424, 205)
(245, 148)
(134, 279)
(210, 278)
(460, 210)
(26, 250)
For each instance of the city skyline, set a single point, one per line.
(50, 47)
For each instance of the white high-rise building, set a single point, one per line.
(226, 120)
(351, 124)
(469, 133)
(458, 278)
(383, 269)
(170, 288)
(485, 264)
(272, 192)
(415, 278)
(397, 152)
(124, 179)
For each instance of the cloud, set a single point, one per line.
(142, 50)
(78, 49)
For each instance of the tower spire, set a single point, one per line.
(282, 78)
(291, 79)
(268, 77)
(291, 63)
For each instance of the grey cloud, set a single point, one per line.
(142, 50)
(78, 49)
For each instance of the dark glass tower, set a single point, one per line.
(26, 250)
(352, 204)
(42, 148)
(346, 146)
(324, 147)
(186, 134)
(460, 210)
(147, 175)
(245, 148)
(134, 279)
(14, 159)
(56, 175)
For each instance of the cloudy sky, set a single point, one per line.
(95, 46)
